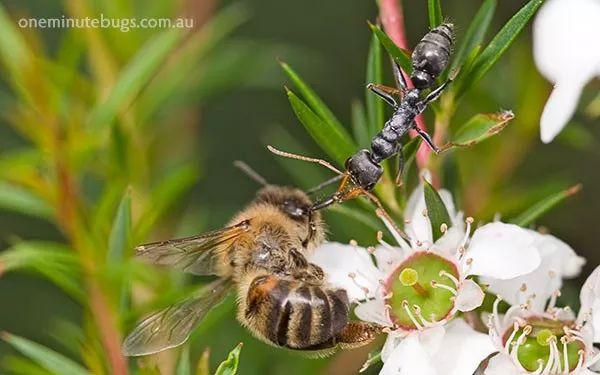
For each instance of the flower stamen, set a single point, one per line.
(410, 315)
(435, 284)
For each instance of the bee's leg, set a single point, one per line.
(384, 93)
(357, 333)
(400, 169)
(311, 228)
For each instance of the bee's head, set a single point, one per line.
(291, 201)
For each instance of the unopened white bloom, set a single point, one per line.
(566, 35)
(415, 290)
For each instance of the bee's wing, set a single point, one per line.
(194, 254)
(172, 326)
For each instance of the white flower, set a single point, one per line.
(415, 290)
(567, 53)
(559, 262)
(534, 340)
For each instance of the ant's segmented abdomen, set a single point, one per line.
(294, 314)
(431, 55)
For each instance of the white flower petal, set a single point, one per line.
(340, 261)
(448, 244)
(590, 302)
(470, 296)
(418, 226)
(558, 261)
(501, 364)
(388, 259)
(560, 108)
(502, 251)
(573, 25)
(462, 350)
(408, 358)
(373, 311)
(432, 339)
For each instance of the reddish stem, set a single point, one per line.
(392, 18)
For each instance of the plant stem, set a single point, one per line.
(392, 19)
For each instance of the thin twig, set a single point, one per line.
(392, 19)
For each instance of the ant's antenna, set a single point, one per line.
(320, 186)
(304, 158)
(250, 172)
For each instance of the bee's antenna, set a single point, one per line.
(320, 186)
(250, 172)
(304, 158)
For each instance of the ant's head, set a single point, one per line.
(421, 79)
(363, 170)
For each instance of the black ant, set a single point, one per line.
(363, 169)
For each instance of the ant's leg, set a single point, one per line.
(382, 213)
(400, 167)
(427, 138)
(399, 77)
(384, 93)
(434, 94)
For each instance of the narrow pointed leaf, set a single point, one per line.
(203, 367)
(54, 261)
(409, 150)
(336, 144)
(479, 128)
(120, 234)
(399, 55)
(312, 99)
(435, 13)
(436, 210)
(475, 33)
(18, 199)
(230, 365)
(134, 77)
(360, 128)
(498, 46)
(183, 364)
(44, 356)
(540, 208)
(375, 105)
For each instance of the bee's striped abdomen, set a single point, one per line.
(294, 314)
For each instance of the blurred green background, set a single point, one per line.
(231, 103)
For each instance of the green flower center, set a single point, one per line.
(542, 340)
(421, 290)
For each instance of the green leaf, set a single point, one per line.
(120, 234)
(314, 102)
(436, 210)
(46, 357)
(14, 50)
(171, 188)
(409, 150)
(54, 261)
(543, 206)
(183, 364)
(475, 33)
(119, 242)
(479, 128)
(18, 199)
(336, 144)
(203, 366)
(375, 105)
(401, 56)
(359, 124)
(230, 365)
(498, 46)
(435, 13)
(134, 77)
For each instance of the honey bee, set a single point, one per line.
(282, 298)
